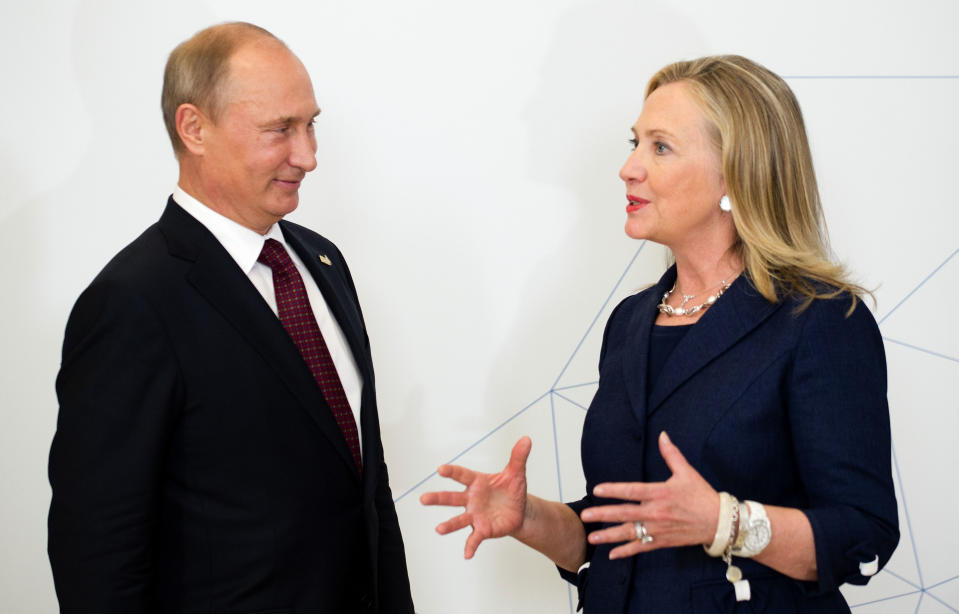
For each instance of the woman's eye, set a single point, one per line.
(634, 143)
(661, 148)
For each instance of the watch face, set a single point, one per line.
(758, 535)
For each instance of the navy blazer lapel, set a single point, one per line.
(640, 326)
(733, 316)
(215, 275)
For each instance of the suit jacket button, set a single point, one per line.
(366, 602)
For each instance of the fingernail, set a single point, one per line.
(599, 490)
(665, 437)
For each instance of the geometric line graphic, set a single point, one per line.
(909, 592)
(569, 400)
(908, 296)
(553, 392)
(559, 390)
(905, 592)
(473, 445)
(912, 541)
(905, 512)
(919, 349)
(921, 589)
(871, 77)
(599, 313)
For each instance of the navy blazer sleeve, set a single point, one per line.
(589, 501)
(824, 385)
(839, 418)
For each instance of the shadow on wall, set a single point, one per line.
(596, 93)
(578, 122)
(61, 235)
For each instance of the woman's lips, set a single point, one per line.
(635, 203)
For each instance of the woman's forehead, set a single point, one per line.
(672, 110)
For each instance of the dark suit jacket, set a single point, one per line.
(196, 466)
(769, 404)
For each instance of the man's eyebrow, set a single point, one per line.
(290, 119)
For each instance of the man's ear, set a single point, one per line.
(191, 124)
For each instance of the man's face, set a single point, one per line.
(262, 145)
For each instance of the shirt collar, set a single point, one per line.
(243, 245)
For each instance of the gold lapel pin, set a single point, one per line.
(325, 259)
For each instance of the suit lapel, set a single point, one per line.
(331, 276)
(733, 316)
(635, 363)
(216, 277)
(330, 280)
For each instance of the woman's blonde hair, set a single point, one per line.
(757, 127)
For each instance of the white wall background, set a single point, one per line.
(467, 167)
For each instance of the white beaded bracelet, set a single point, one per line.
(727, 525)
(728, 534)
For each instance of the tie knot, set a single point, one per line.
(274, 256)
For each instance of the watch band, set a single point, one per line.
(758, 531)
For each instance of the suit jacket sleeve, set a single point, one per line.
(394, 583)
(839, 418)
(117, 386)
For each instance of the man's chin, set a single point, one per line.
(285, 205)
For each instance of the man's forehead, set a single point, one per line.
(272, 80)
(262, 53)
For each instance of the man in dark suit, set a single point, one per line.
(218, 446)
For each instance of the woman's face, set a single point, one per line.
(674, 175)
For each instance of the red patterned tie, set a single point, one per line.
(297, 318)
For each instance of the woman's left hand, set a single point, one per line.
(682, 511)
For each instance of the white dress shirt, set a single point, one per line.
(245, 245)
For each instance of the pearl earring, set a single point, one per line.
(724, 203)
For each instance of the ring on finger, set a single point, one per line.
(641, 533)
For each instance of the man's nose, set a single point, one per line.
(303, 154)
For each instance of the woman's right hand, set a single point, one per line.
(495, 503)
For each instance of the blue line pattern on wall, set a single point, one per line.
(917, 591)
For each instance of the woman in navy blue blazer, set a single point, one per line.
(737, 451)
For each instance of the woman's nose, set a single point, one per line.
(633, 169)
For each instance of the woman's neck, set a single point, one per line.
(700, 273)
